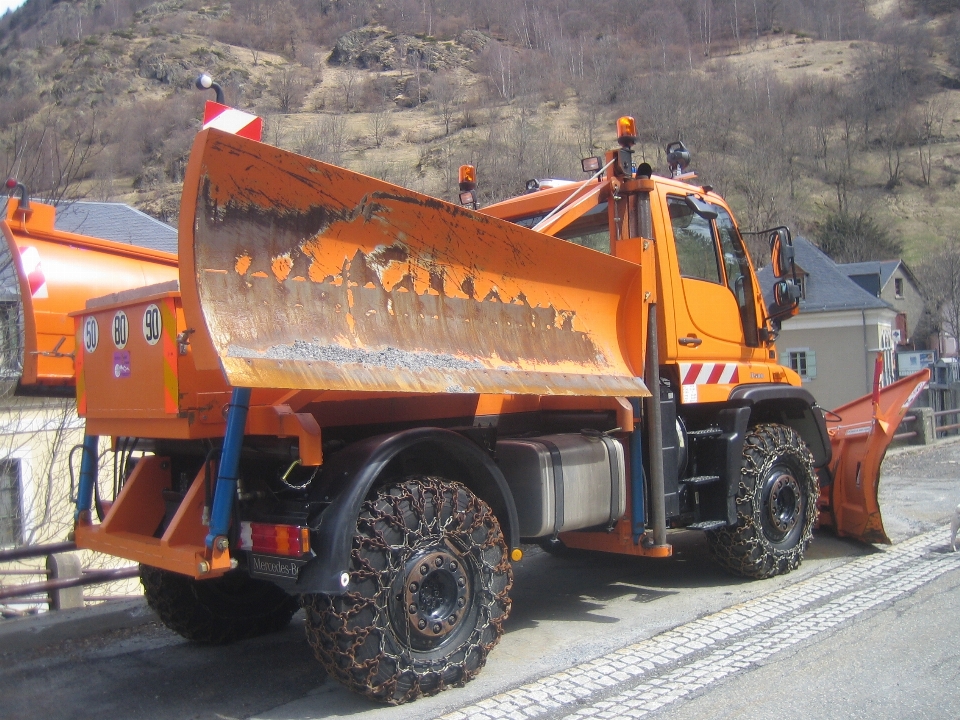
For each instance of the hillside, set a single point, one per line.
(798, 111)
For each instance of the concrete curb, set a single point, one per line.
(49, 628)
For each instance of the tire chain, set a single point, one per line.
(184, 607)
(350, 633)
(741, 548)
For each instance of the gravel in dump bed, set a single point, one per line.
(339, 355)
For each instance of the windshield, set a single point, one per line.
(591, 230)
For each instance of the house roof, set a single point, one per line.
(826, 288)
(117, 222)
(883, 268)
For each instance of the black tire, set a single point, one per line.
(776, 506)
(228, 608)
(429, 591)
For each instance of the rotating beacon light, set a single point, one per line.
(626, 139)
(15, 186)
(468, 183)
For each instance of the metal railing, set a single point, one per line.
(907, 434)
(945, 428)
(47, 591)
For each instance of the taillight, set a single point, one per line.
(286, 540)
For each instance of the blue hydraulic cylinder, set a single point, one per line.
(88, 474)
(637, 489)
(226, 488)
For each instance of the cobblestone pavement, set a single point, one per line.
(640, 679)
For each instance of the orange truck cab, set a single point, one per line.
(362, 400)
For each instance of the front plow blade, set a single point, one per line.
(307, 275)
(860, 432)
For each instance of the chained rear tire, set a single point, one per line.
(228, 608)
(429, 591)
(776, 506)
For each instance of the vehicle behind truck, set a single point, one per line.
(362, 400)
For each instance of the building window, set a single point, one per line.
(803, 361)
(11, 518)
(802, 282)
(898, 287)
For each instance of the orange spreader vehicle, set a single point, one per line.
(361, 400)
(45, 274)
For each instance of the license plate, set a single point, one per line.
(272, 567)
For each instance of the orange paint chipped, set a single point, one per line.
(243, 264)
(259, 274)
(281, 266)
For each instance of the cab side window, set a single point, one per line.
(694, 240)
(737, 268)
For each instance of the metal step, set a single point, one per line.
(700, 480)
(704, 434)
(707, 525)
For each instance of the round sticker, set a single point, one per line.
(91, 334)
(121, 330)
(152, 324)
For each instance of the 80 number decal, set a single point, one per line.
(121, 330)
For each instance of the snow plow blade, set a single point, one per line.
(45, 274)
(297, 274)
(860, 432)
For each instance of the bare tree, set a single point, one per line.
(929, 129)
(446, 91)
(940, 277)
(290, 87)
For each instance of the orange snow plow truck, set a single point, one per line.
(361, 400)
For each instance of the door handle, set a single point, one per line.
(690, 341)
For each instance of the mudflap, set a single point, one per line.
(860, 433)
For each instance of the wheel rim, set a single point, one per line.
(782, 503)
(432, 597)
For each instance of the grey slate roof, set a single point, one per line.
(117, 222)
(827, 287)
(883, 268)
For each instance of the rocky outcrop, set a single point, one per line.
(378, 49)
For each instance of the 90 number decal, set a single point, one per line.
(121, 330)
(152, 325)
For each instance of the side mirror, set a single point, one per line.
(702, 208)
(782, 254)
(786, 293)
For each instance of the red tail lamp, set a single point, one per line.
(286, 540)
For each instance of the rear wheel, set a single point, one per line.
(228, 608)
(776, 506)
(428, 593)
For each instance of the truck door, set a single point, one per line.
(715, 310)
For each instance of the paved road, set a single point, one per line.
(857, 630)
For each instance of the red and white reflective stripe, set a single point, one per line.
(30, 259)
(231, 120)
(709, 373)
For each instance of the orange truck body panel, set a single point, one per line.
(57, 273)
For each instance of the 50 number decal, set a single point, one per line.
(152, 325)
(121, 330)
(91, 334)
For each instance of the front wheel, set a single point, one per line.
(776, 506)
(428, 593)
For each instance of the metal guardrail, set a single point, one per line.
(46, 591)
(908, 434)
(946, 428)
